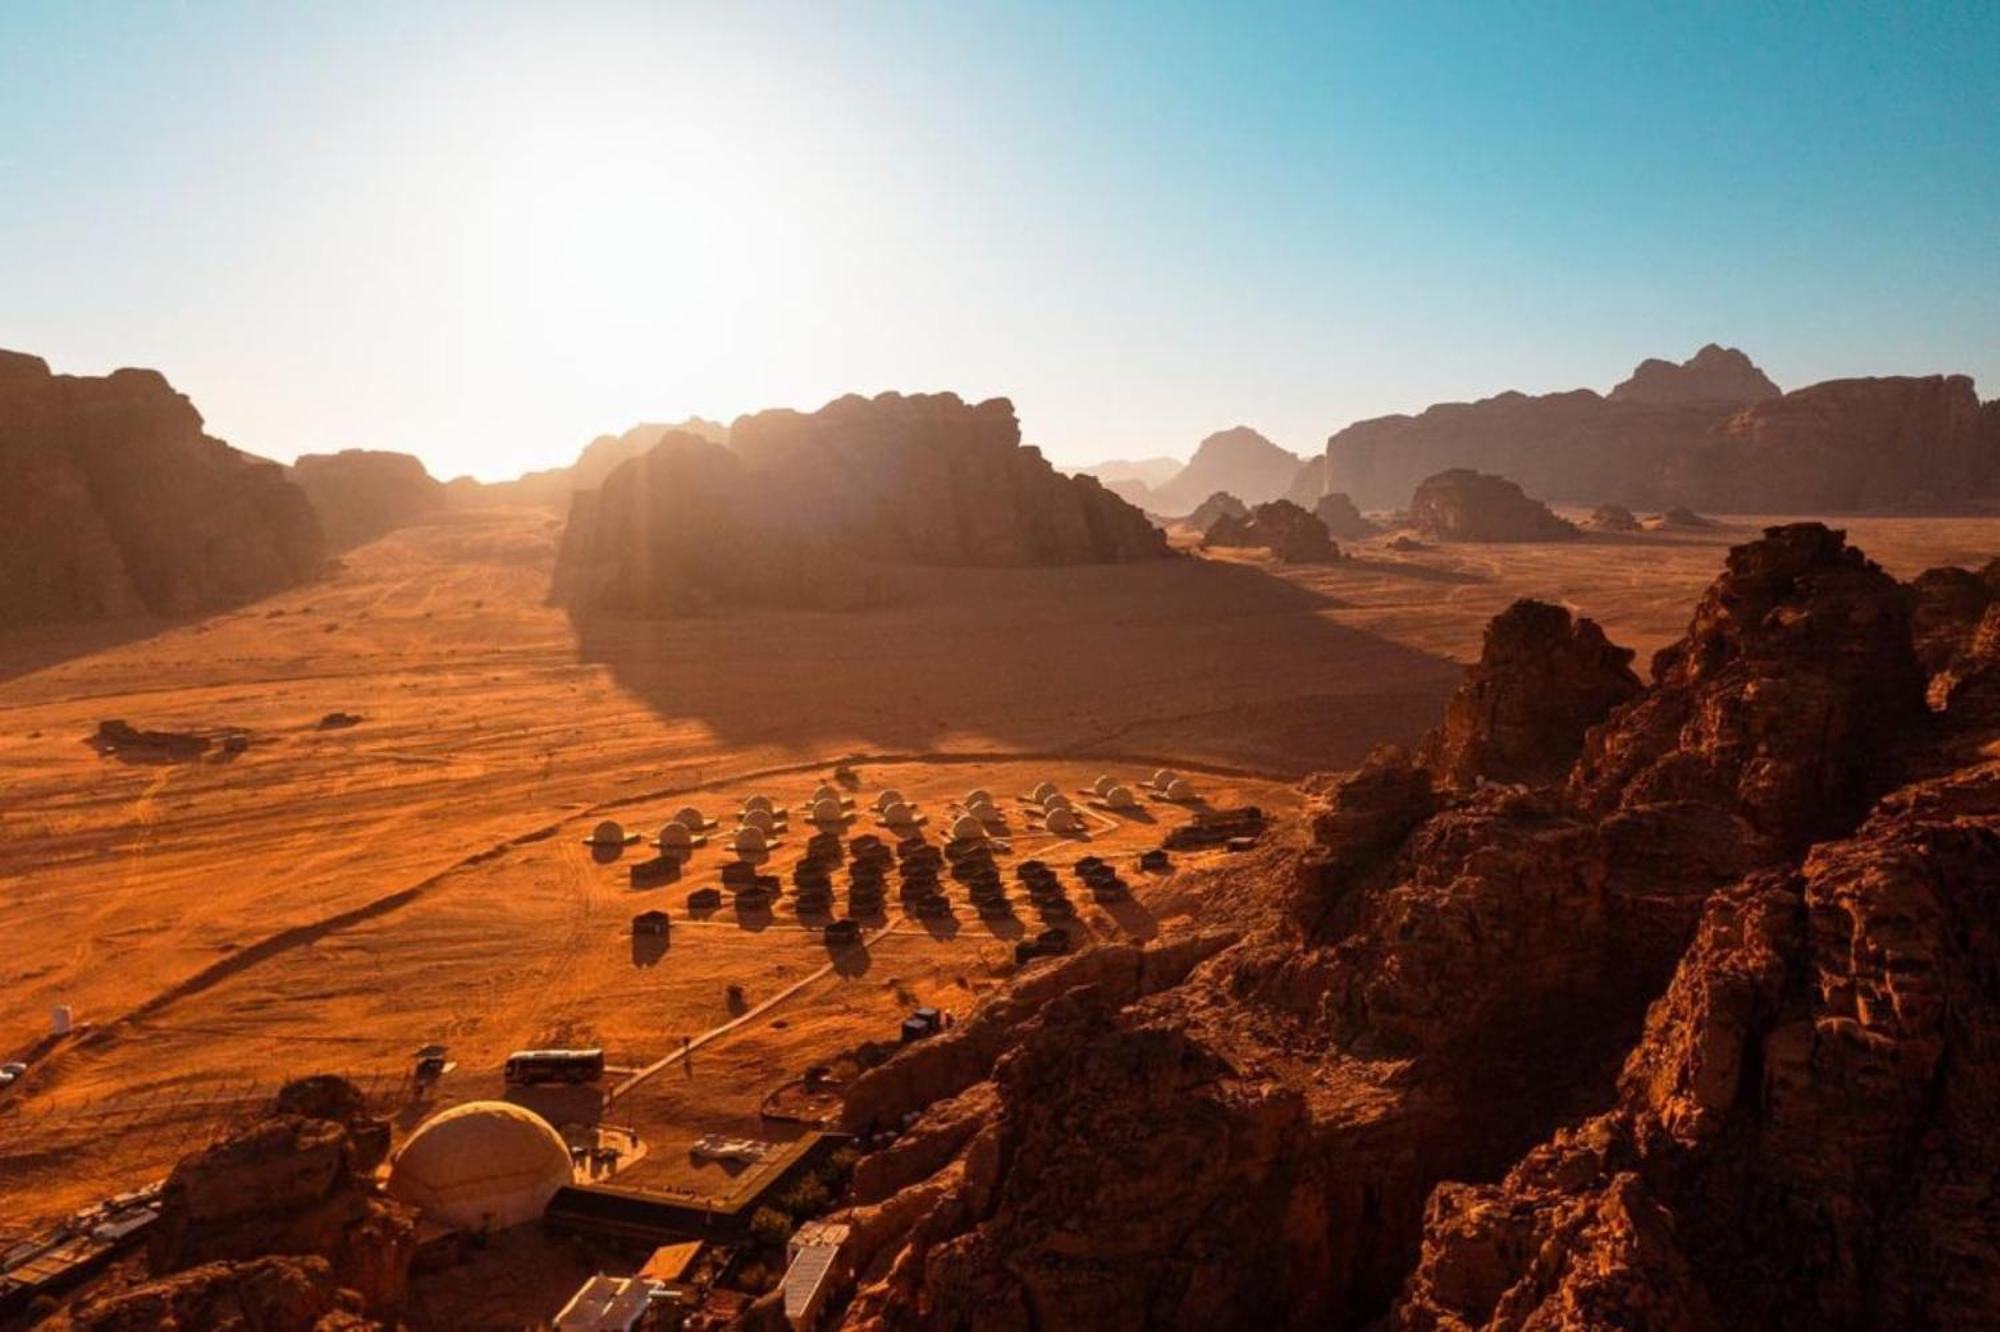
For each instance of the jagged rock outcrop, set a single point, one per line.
(1659, 439)
(1712, 375)
(1462, 505)
(1541, 682)
(799, 506)
(1613, 518)
(1343, 521)
(1239, 461)
(117, 503)
(359, 494)
(551, 488)
(1439, 980)
(1309, 485)
(1214, 509)
(1133, 480)
(292, 1184)
(1281, 527)
(261, 1295)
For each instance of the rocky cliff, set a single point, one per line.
(1463, 505)
(1239, 461)
(1710, 433)
(1690, 1036)
(359, 494)
(800, 506)
(1213, 510)
(117, 503)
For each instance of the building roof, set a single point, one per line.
(670, 1262)
(605, 1304)
(481, 1165)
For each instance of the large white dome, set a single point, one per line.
(484, 1165)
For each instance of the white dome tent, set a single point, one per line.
(1064, 822)
(825, 792)
(750, 840)
(691, 818)
(968, 829)
(898, 813)
(760, 819)
(828, 811)
(759, 802)
(1121, 797)
(675, 837)
(890, 796)
(1102, 786)
(610, 833)
(1180, 788)
(1042, 792)
(1057, 800)
(484, 1165)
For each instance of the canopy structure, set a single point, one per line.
(968, 829)
(690, 818)
(978, 795)
(484, 1165)
(1120, 797)
(608, 833)
(825, 792)
(1164, 778)
(676, 837)
(1042, 791)
(890, 796)
(1103, 784)
(898, 813)
(1180, 788)
(1057, 800)
(760, 819)
(751, 838)
(827, 810)
(1065, 822)
(762, 802)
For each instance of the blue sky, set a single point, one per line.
(485, 232)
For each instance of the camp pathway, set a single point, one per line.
(633, 1082)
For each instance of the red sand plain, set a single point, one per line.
(330, 899)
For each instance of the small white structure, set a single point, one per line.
(484, 1165)
(1180, 788)
(1064, 822)
(1163, 778)
(675, 838)
(691, 818)
(1042, 792)
(977, 796)
(60, 1020)
(815, 1265)
(828, 810)
(825, 792)
(750, 840)
(1102, 786)
(761, 820)
(898, 813)
(762, 802)
(717, 1147)
(607, 1304)
(968, 828)
(890, 796)
(1057, 800)
(1121, 797)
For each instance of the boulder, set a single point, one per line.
(359, 494)
(117, 503)
(1462, 505)
(1541, 682)
(1281, 527)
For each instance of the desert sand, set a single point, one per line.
(331, 898)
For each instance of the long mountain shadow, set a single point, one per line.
(1185, 657)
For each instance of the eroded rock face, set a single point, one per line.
(116, 503)
(1613, 518)
(1215, 508)
(1709, 434)
(1462, 505)
(1237, 460)
(261, 1295)
(1541, 682)
(1343, 521)
(359, 494)
(1438, 981)
(1712, 375)
(798, 505)
(1281, 527)
(292, 1185)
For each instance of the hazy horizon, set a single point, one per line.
(486, 234)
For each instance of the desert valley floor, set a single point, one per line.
(333, 898)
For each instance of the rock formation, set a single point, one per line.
(1541, 682)
(261, 1295)
(1462, 505)
(359, 494)
(1613, 518)
(1712, 375)
(1711, 433)
(1342, 520)
(1216, 507)
(799, 506)
(116, 503)
(1746, 946)
(552, 487)
(1133, 481)
(1309, 485)
(294, 1184)
(1237, 460)
(1281, 527)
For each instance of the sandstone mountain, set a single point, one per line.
(117, 503)
(1237, 460)
(1336, 510)
(1711, 433)
(1694, 1035)
(800, 506)
(1216, 507)
(1134, 480)
(1463, 505)
(359, 494)
(552, 487)
(1281, 527)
